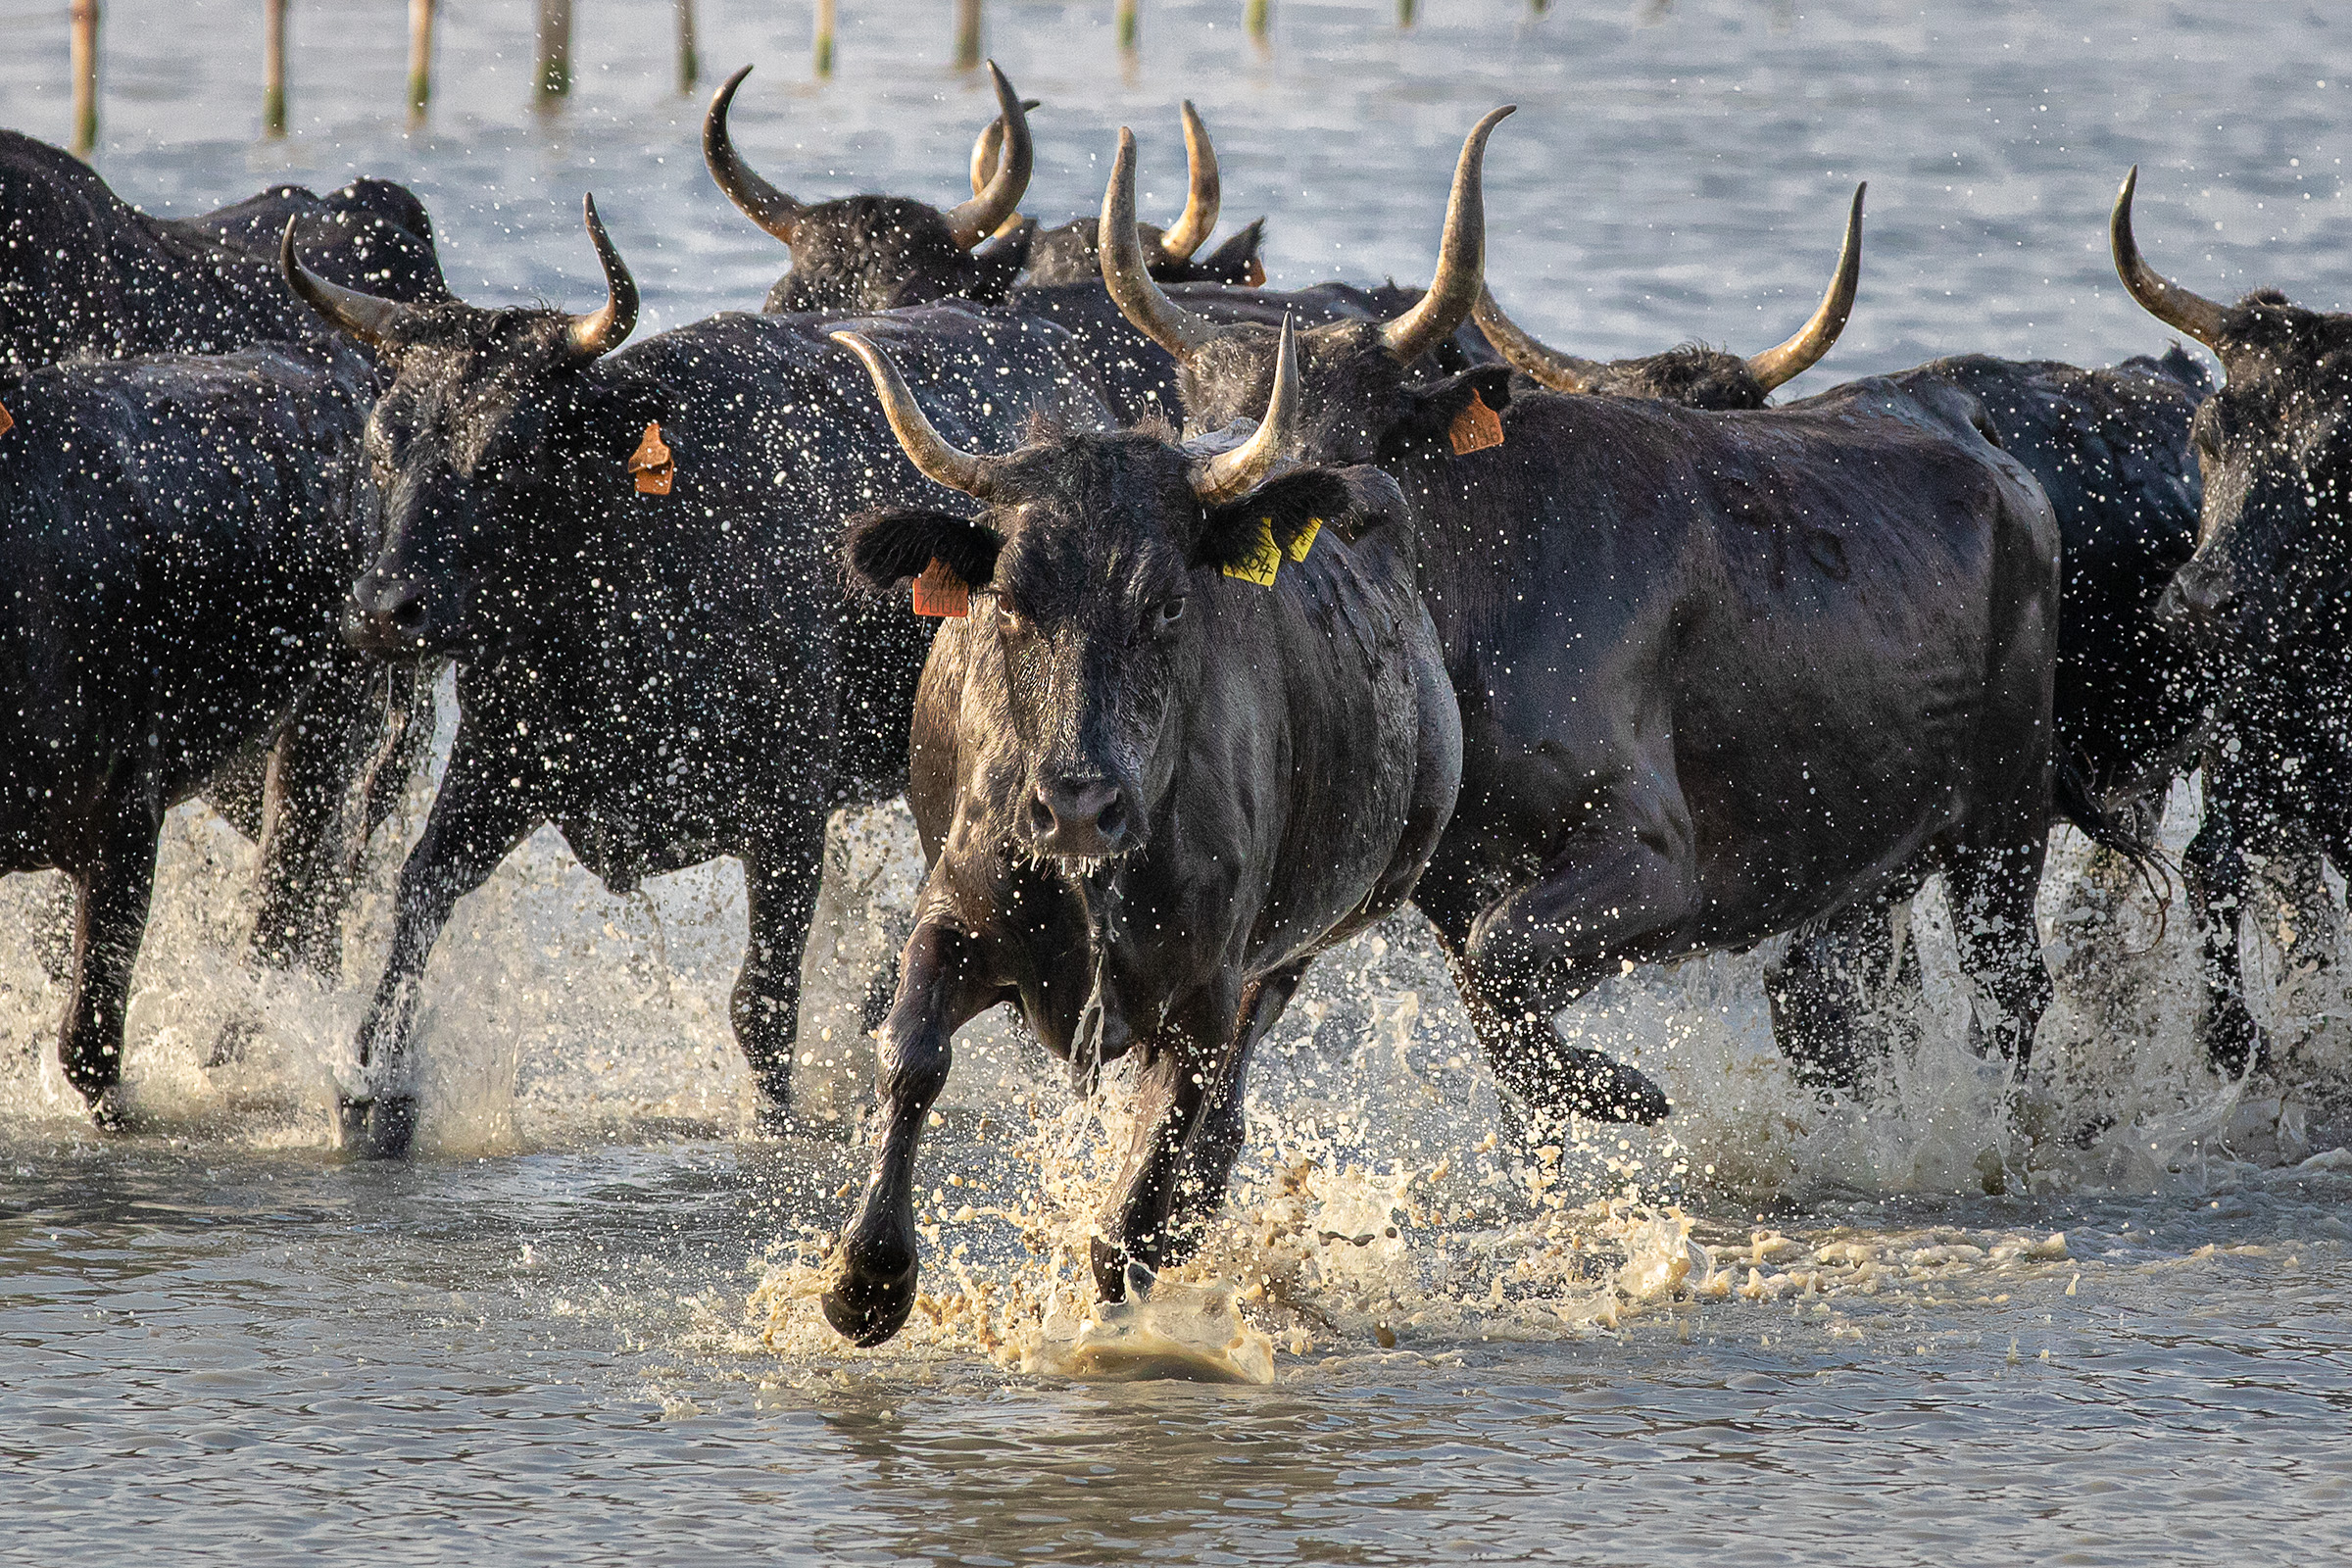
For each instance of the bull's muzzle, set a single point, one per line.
(388, 614)
(1082, 816)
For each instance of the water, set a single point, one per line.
(578, 1327)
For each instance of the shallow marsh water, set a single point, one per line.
(576, 1327)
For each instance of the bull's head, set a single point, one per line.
(2275, 543)
(1070, 254)
(1364, 391)
(1085, 565)
(869, 253)
(1694, 376)
(458, 449)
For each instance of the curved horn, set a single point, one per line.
(1548, 367)
(1231, 476)
(1461, 255)
(1202, 197)
(1140, 300)
(1812, 341)
(988, 144)
(974, 220)
(606, 327)
(923, 445)
(752, 196)
(364, 315)
(2161, 297)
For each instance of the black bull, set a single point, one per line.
(1148, 792)
(670, 676)
(177, 533)
(1719, 674)
(82, 272)
(2265, 602)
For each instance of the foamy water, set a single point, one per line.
(581, 1325)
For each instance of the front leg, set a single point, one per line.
(112, 885)
(476, 821)
(940, 990)
(1215, 1139)
(1194, 1063)
(780, 881)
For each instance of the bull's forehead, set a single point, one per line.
(460, 392)
(1093, 528)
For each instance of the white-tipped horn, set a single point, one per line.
(931, 453)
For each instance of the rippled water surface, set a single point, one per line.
(578, 1325)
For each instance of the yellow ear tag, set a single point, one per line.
(1305, 540)
(652, 465)
(1263, 559)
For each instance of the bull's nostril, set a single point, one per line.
(1040, 813)
(409, 615)
(1112, 820)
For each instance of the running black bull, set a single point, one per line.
(633, 556)
(1194, 731)
(1720, 674)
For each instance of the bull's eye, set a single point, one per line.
(1169, 613)
(1011, 623)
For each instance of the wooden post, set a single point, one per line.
(274, 68)
(690, 58)
(86, 76)
(967, 34)
(1130, 24)
(824, 41)
(554, 75)
(1261, 21)
(420, 58)
(1405, 13)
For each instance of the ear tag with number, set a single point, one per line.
(940, 593)
(652, 464)
(1476, 428)
(1261, 560)
(1305, 540)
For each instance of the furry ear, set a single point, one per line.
(1437, 406)
(1285, 508)
(1237, 261)
(883, 548)
(998, 261)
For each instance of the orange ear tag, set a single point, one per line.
(940, 591)
(652, 464)
(1262, 560)
(1305, 540)
(1256, 275)
(8, 421)
(1476, 428)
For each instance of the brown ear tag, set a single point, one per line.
(1255, 277)
(8, 421)
(940, 591)
(652, 464)
(1476, 428)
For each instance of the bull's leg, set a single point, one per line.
(940, 990)
(303, 786)
(112, 885)
(780, 879)
(2214, 865)
(1991, 882)
(1824, 993)
(1213, 1141)
(1540, 948)
(476, 822)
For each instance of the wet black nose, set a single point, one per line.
(1078, 814)
(387, 613)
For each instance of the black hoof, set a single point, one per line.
(380, 1128)
(2232, 1040)
(109, 1110)
(867, 1309)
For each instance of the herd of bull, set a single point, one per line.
(1203, 625)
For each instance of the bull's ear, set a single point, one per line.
(883, 548)
(1435, 407)
(996, 264)
(1286, 508)
(1237, 261)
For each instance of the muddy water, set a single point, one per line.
(579, 1326)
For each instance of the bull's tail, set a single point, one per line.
(2123, 833)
